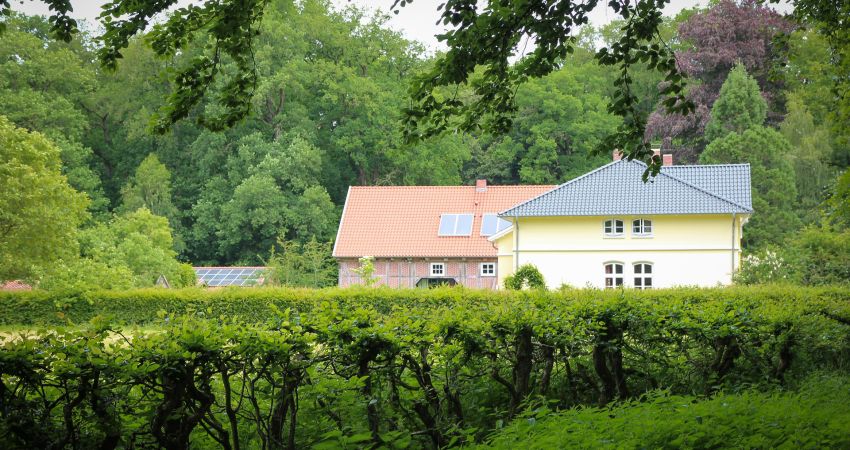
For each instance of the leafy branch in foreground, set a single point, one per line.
(483, 43)
(216, 38)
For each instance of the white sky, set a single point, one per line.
(417, 20)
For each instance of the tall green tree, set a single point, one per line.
(765, 149)
(268, 189)
(810, 156)
(739, 107)
(39, 211)
(838, 204)
(45, 86)
(139, 243)
(150, 188)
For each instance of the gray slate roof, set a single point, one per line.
(618, 189)
(730, 181)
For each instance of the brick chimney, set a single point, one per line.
(616, 155)
(667, 160)
(480, 185)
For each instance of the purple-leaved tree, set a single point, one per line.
(727, 33)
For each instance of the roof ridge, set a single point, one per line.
(687, 166)
(454, 187)
(562, 185)
(660, 172)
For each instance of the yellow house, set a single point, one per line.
(608, 228)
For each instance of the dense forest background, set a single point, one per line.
(326, 116)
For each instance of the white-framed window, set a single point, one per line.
(488, 269)
(613, 274)
(438, 269)
(613, 228)
(455, 225)
(642, 227)
(643, 275)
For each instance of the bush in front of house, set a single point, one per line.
(526, 276)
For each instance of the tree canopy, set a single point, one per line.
(39, 210)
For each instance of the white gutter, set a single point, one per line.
(732, 273)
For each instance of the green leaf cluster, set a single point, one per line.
(39, 211)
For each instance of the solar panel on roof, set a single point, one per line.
(229, 276)
(492, 224)
(455, 225)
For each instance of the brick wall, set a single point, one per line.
(405, 273)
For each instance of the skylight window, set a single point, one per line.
(492, 224)
(455, 225)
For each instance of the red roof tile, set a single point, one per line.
(14, 285)
(402, 221)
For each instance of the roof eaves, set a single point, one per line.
(497, 236)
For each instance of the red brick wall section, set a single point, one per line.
(403, 273)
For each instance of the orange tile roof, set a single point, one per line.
(402, 221)
(14, 285)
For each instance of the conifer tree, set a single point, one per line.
(739, 107)
(740, 137)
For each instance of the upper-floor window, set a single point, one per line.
(643, 275)
(642, 227)
(438, 269)
(492, 224)
(613, 227)
(455, 225)
(613, 274)
(488, 269)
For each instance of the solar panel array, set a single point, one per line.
(229, 276)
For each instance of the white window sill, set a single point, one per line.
(614, 236)
(642, 236)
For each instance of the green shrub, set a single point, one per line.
(815, 417)
(527, 275)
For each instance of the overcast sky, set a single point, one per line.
(417, 20)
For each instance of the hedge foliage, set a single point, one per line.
(814, 417)
(267, 368)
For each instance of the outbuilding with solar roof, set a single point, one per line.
(230, 276)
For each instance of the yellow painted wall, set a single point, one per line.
(684, 249)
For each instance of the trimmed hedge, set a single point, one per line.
(145, 306)
(247, 368)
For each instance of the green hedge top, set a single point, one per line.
(147, 306)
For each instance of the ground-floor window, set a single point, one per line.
(488, 269)
(438, 269)
(643, 275)
(613, 274)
